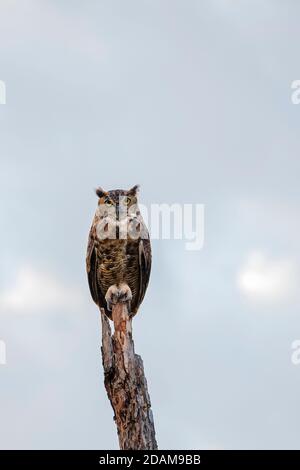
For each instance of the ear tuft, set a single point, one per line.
(133, 191)
(100, 192)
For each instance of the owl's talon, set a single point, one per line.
(111, 297)
(125, 294)
(117, 294)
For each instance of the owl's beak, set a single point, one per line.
(117, 218)
(117, 212)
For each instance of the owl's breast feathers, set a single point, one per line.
(112, 261)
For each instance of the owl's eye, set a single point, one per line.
(108, 202)
(127, 201)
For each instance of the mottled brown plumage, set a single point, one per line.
(119, 252)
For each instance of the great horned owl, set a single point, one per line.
(119, 252)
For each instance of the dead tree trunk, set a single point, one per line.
(126, 384)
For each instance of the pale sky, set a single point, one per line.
(192, 100)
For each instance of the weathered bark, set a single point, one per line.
(126, 384)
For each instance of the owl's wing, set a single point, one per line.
(145, 259)
(92, 266)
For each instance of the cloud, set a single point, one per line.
(35, 291)
(268, 280)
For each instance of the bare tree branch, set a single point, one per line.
(126, 384)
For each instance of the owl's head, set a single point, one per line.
(118, 202)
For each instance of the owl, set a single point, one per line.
(118, 257)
